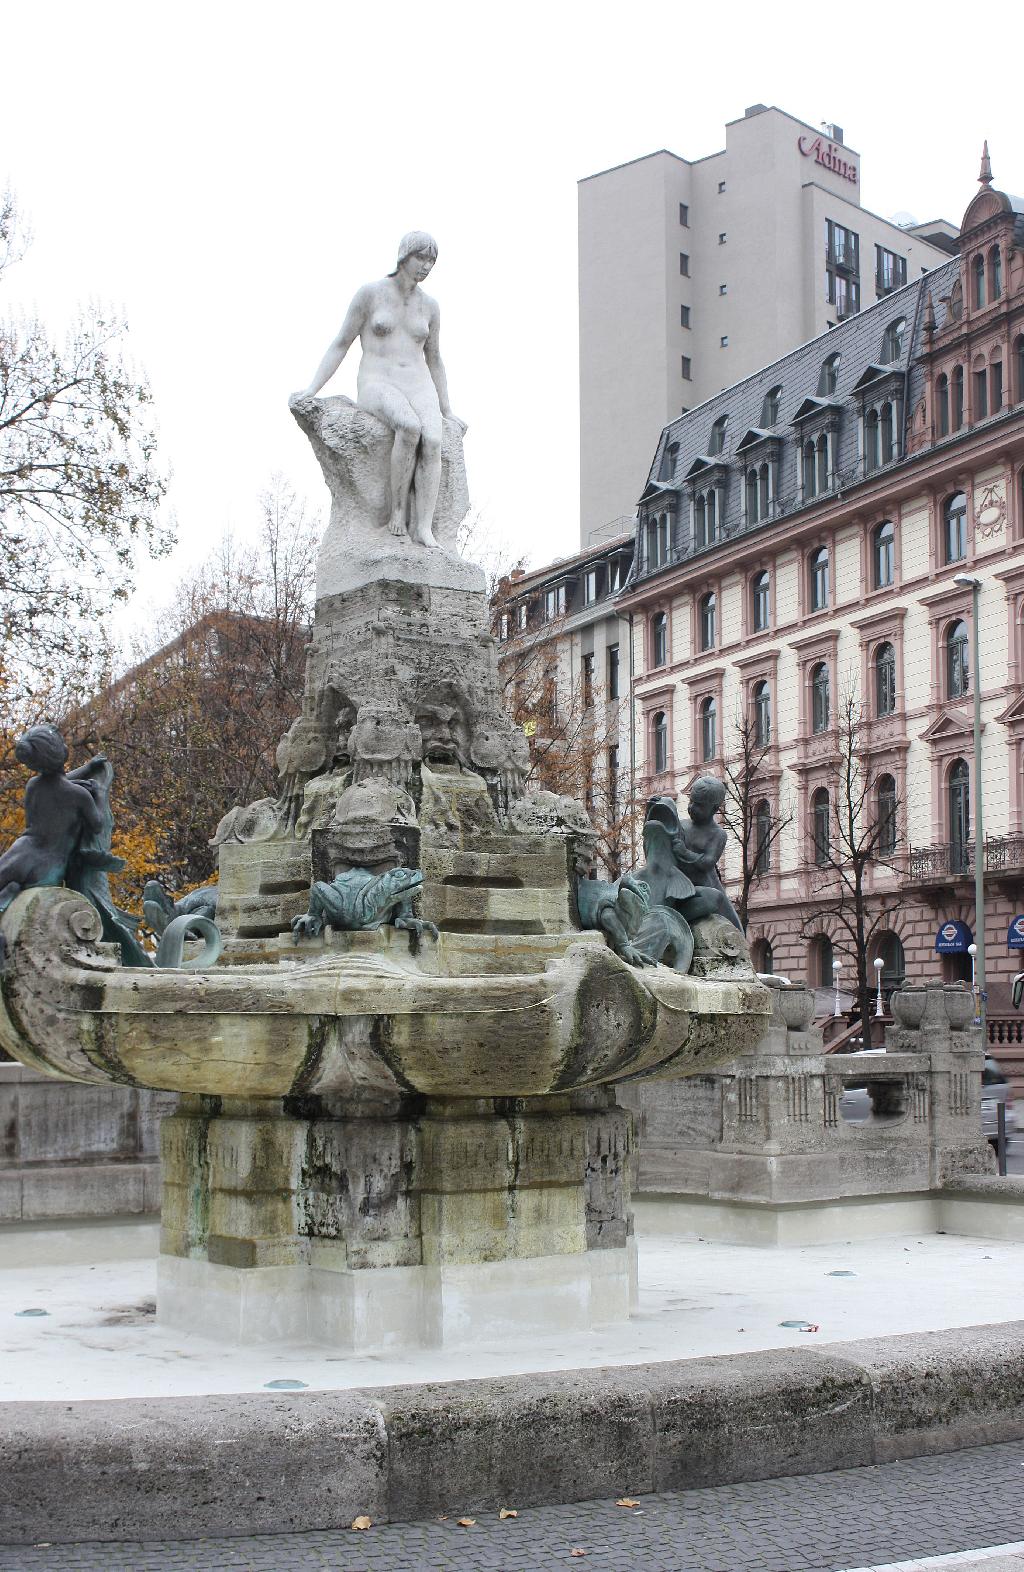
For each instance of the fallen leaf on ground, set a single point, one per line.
(627, 1501)
(812, 1326)
(507, 1512)
(362, 1522)
(576, 1551)
(467, 1522)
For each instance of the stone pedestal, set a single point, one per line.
(424, 1222)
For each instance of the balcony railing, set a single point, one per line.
(955, 859)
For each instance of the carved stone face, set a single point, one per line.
(382, 736)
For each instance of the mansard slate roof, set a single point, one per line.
(858, 341)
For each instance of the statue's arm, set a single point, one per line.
(435, 365)
(339, 347)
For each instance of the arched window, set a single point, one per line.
(958, 661)
(883, 551)
(657, 541)
(942, 400)
(716, 441)
(828, 377)
(885, 681)
(979, 281)
(822, 463)
(808, 470)
(821, 707)
(821, 827)
(996, 383)
(700, 522)
(712, 516)
(1018, 355)
(753, 498)
(705, 518)
(659, 742)
(885, 793)
(892, 341)
(668, 461)
(959, 816)
(761, 605)
(770, 407)
(707, 617)
(819, 579)
(958, 397)
(762, 958)
(762, 714)
(887, 427)
(822, 956)
(762, 837)
(708, 728)
(995, 274)
(889, 951)
(954, 514)
(872, 445)
(659, 639)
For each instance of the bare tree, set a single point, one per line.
(572, 726)
(864, 832)
(79, 488)
(749, 782)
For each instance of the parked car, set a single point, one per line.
(995, 1089)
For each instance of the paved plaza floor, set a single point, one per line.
(99, 1337)
(893, 1515)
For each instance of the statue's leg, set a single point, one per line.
(380, 398)
(8, 893)
(428, 474)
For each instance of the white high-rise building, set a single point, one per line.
(694, 274)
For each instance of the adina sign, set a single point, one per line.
(953, 938)
(1015, 934)
(828, 156)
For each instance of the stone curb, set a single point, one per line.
(263, 1463)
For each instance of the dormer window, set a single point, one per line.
(554, 603)
(770, 407)
(705, 518)
(657, 541)
(668, 461)
(591, 586)
(828, 377)
(892, 341)
(716, 442)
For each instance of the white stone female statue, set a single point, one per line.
(401, 379)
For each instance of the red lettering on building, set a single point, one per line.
(828, 156)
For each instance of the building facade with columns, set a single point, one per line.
(799, 545)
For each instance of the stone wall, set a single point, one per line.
(77, 1151)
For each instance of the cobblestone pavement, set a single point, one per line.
(859, 1518)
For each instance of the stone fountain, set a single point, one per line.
(397, 1120)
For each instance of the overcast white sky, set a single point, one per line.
(226, 174)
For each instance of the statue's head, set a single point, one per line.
(707, 794)
(420, 247)
(42, 748)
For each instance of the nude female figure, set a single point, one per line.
(401, 379)
(60, 811)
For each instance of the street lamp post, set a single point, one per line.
(969, 581)
(835, 979)
(878, 963)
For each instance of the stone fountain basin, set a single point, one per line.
(352, 1022)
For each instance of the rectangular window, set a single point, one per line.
(554, 603)
(504, 625)
(721, 238)
(981, 394)
(686, 370)
(590, 586)
(613, 782)
(723, 289)
(684, 316)
(522, 616)
(614, 575)
(613, 671)
(684, 215)
(890, 270)
(684, 264)
(843, 246)
(724, 341)
(588, 680)
(997, 386)
(721, 187)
